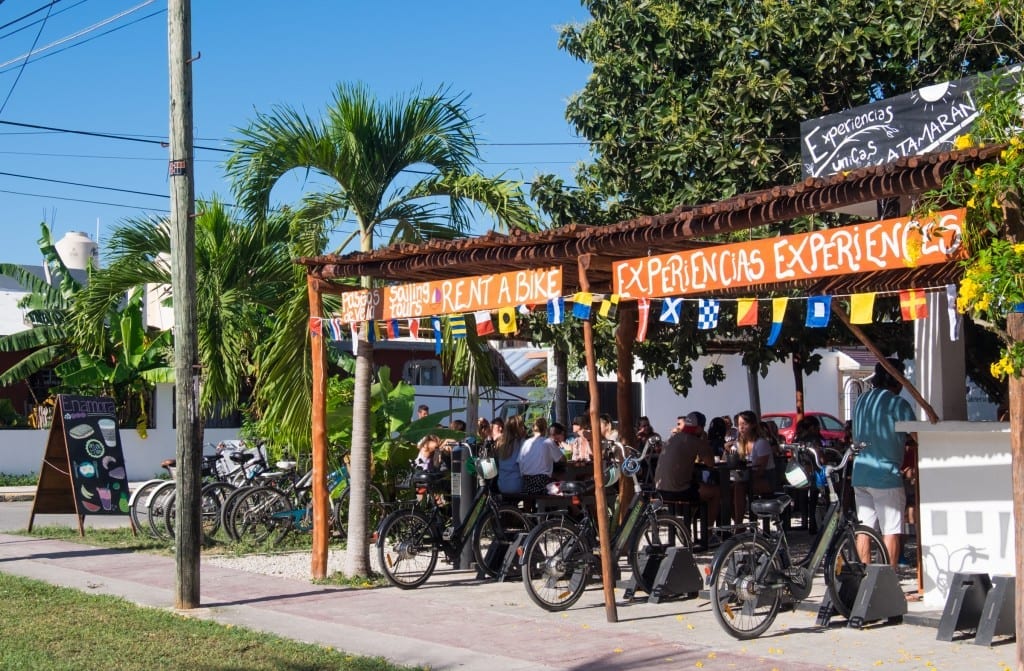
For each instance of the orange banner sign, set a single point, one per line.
(860, 248)
(455, 296)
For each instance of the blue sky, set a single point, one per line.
(256, 54)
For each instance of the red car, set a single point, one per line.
(831, 427)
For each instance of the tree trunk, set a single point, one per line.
(798, 384)
(753, 388)
(560, 361)
(318, 438)
(357, 549)
(357, 552)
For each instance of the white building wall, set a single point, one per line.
(822, 391)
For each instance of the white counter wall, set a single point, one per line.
(966, 501)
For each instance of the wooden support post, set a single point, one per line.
(625, 334)
(1015, 329)
(603, 531)
(861, 336)
(318, 568)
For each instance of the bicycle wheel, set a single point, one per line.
(227, 509)
(406, 549)
(213, 496)
(262, 514)
(494, 532)
(664, 530)
(556, 565)
(744, 605)
(157, 503)
(843, 568)
(138, 506)
(375, 511)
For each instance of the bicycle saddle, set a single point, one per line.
(576, 487)
(241, 457)
(770, 507)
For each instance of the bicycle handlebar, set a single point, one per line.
(851, 451)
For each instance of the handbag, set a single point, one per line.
(487, 467)
(796, 475)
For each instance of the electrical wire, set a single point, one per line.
(25, 62)
(84, 31)
(32, 13)
(94, 37)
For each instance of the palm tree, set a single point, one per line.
(46, 342)
(243, 274)
(406, 162)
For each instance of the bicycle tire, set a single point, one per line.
(662, 529)
(213, 496)
(844, 569)
(744, 609)
(375, 511)
(158, 500)
(138, 510)
(407, 549)
(557, 563)
(496, 529)
(259, 516)
(227, 510)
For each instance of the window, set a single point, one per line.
(423, 372)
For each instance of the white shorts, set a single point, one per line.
(881, 508)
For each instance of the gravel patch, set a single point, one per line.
(291, 565)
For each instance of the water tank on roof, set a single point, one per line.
(77, 250)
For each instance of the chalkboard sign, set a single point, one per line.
(925, 120)
(83, 469)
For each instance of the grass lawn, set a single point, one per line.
(55, 628)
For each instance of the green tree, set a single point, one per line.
(407, 163)
(243, 275)
(696, 102)
(48, 305)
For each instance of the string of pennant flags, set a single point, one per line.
(913, 305)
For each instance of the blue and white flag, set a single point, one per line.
(435, 322)
(818, 310)
(707, 314)
(556, 310)
(670, 308)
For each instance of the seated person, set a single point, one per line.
(537, 459)
(581, 450)
(677, 476)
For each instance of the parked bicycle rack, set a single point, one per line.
(980, 606)
(672, 572)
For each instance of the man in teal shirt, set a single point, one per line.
(877, 480)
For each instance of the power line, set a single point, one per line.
(25, 62)
(109, 136)
(32, 13)
(84, 31)
(97, 156)
(82, 200)
(29, 25)
(94, 37)
(82, 184)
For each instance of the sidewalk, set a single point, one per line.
(457, 622)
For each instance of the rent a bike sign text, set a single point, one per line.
(453, 296)
(860, 248)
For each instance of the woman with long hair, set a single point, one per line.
(507, 443)
(753, 447)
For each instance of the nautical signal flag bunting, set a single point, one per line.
(913, 305)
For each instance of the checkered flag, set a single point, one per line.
(707, 314)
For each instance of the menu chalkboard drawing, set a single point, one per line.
(83, 471)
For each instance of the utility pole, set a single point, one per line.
(189, 430)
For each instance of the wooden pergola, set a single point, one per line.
(586, 254)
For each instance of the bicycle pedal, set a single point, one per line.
(448, 533)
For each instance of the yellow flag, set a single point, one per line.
(506, 320)
(861, 308)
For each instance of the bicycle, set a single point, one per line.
(560, 555)
(752, 571)
(409, 540)
(271, 511)
(220, 479)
